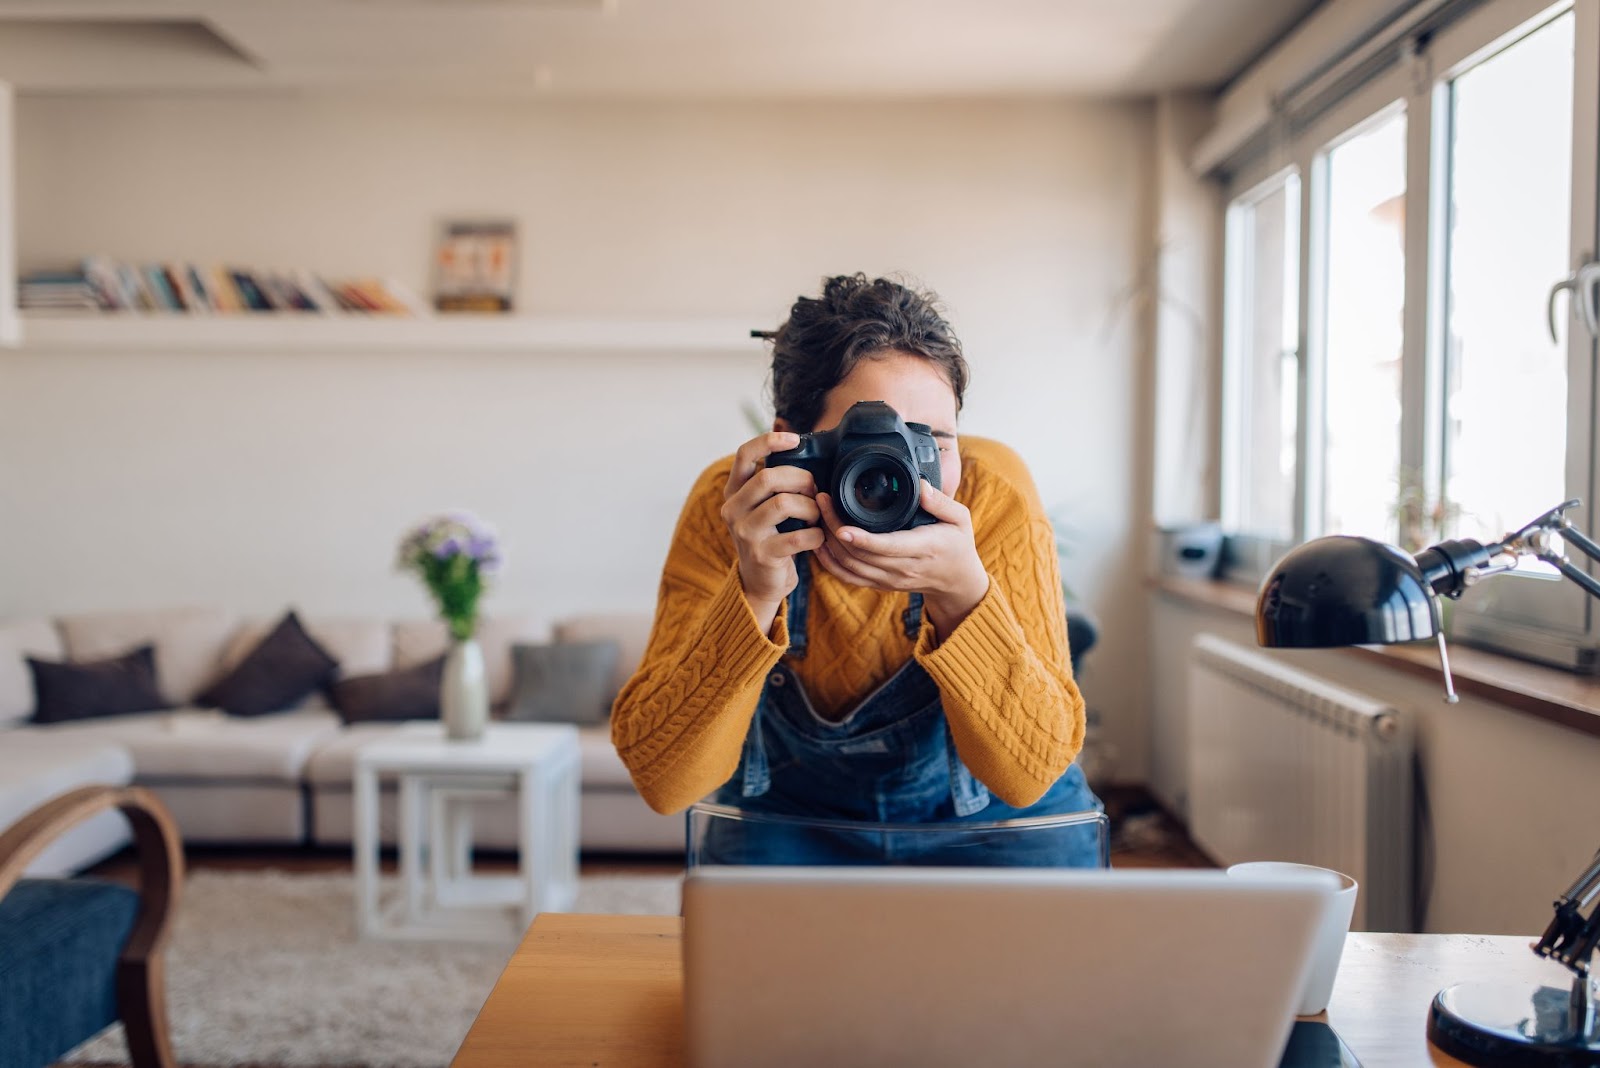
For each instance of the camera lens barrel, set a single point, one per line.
(876, 488)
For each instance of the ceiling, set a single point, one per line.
(639, 48)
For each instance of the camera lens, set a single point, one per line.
(878, 489)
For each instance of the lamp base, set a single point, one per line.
(1514, 1025)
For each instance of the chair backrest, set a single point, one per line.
(722, 834)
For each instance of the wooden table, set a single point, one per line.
(607, 991)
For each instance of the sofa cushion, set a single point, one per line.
(630, 632)
(333, 763)
(284, 667)
(37, 764)
(206, 745)
(189, 643)
(417, 641)
(20, 639)
(115, 686)
(598, 762)
(402, 694)
(568, 682)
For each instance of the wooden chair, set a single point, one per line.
(69, 930)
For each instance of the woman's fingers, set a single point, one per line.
(876, 549)
(774, 510)
(942, 506)
(751, 456)
(798, 541)
(830, 563)
(843, 566)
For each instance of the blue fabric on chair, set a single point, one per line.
(59, 944)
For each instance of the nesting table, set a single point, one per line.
(534, 766)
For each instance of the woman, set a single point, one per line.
(915, 676)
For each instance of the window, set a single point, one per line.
(1450, 181)
(1364, 295)
(1510, 221)
(1262, 368)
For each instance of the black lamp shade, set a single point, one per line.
(1344, 591)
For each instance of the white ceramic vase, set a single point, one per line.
(464, 693)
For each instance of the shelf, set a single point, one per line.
(287, 331)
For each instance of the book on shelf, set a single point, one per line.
(58, 291)
(103, 284)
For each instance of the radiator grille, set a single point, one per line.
(1284, 765)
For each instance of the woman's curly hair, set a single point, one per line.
(855, 319)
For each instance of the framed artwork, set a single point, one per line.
(474, 266)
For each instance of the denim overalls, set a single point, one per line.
(891, 760)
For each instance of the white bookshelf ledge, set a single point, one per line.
(289, 331)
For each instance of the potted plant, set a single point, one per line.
(457, 555)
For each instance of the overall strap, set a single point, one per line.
(799, 600)
(912, 617)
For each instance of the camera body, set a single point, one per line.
(872, 465)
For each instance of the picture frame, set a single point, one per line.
(475, 265)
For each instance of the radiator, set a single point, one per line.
(1284, 765)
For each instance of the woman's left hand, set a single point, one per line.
(939, 560)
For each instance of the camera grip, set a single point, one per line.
(789, 526)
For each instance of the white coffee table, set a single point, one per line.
(534, 765)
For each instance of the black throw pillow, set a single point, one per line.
(114, 686)
(284, 668)
(408, 693)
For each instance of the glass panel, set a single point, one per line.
(1262, 416)
(1365, 308)
(1505, 420)
(721, 834)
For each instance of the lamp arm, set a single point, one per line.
(1449, 568)
(1582, 578)
(1572, 937)
(1573, 536)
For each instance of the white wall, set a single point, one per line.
(1511, 797)
(260, 480)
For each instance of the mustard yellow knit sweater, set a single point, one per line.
(1003, 675)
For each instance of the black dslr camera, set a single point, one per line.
(872, 465)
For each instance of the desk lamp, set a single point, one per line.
(1341, 590)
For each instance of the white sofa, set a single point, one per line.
(282, 778)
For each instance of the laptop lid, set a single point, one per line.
(907, 966)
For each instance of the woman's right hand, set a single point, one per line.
(757, 499)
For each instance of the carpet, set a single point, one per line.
(264, 968)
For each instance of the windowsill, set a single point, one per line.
(1548, 693)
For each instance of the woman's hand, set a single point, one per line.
(939, 560)
(756, 500)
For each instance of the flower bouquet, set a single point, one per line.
(456, 556)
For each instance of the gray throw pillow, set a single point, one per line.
(569, 682)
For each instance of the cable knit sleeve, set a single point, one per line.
(1004, 675)
(679, 723)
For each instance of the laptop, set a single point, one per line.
(804, 967)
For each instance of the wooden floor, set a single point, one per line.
(1142, 836)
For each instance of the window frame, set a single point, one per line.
(1554, 622)
(1238, 295)
(1566, 629)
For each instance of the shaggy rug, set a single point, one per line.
(264, 968)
